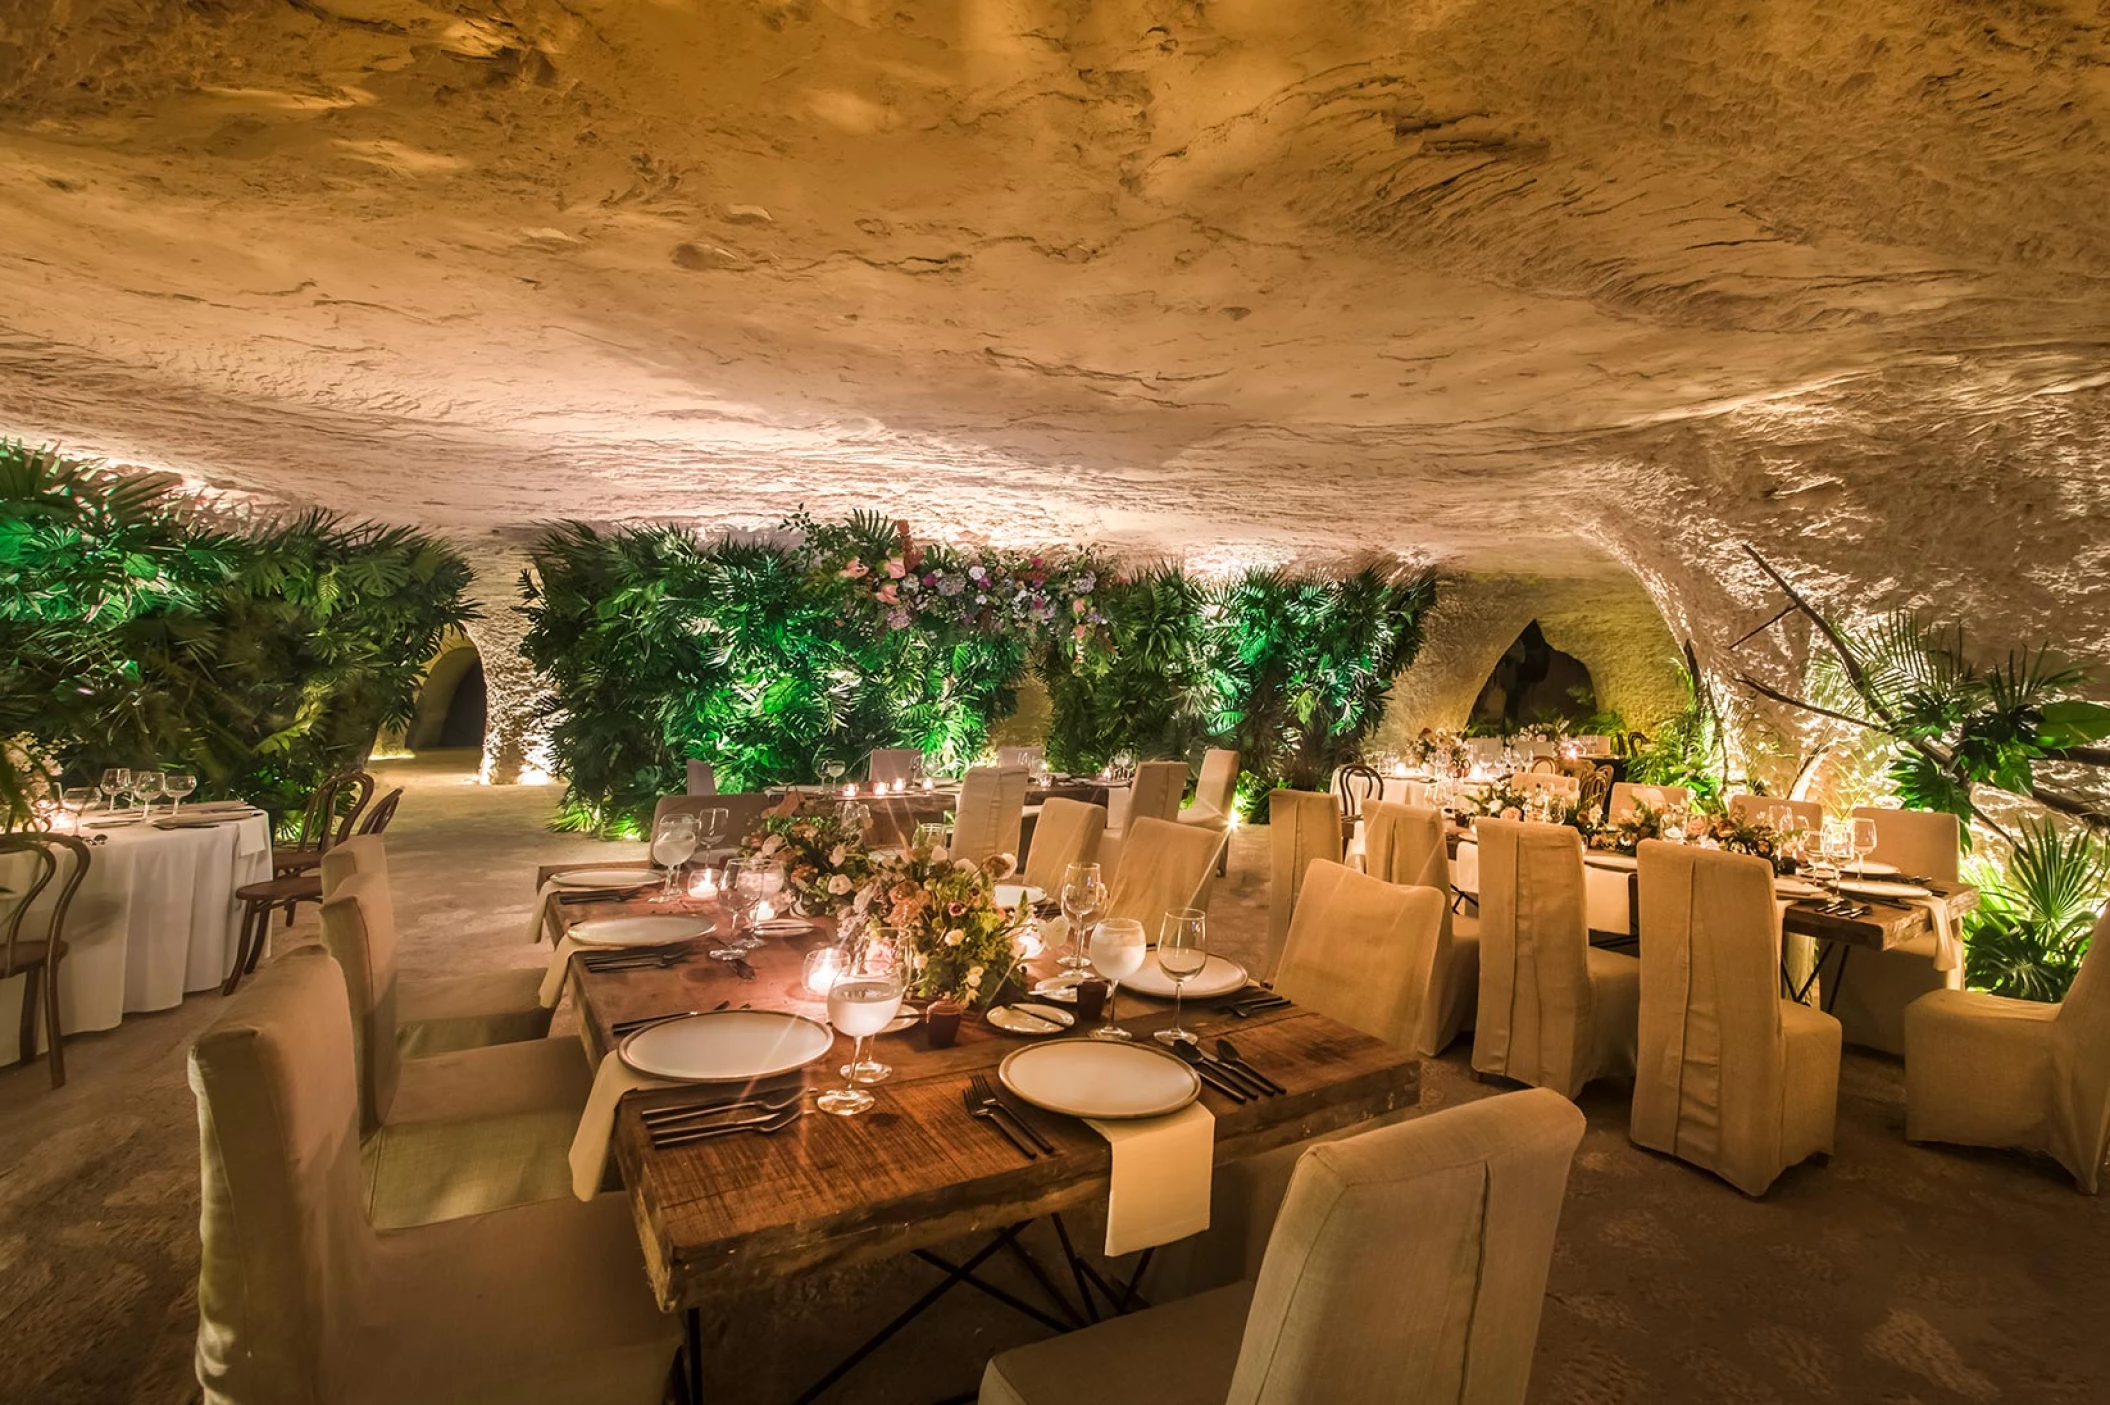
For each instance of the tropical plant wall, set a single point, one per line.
(770, 656)
(138, 628)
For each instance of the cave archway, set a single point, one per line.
(452, 704)
(1534, 682)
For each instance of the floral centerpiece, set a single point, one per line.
(1504, 799)
(965, 943)
(1622, 833)
(1445, 753)
(824, 857)
(1754, 837)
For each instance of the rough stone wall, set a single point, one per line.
(516, 745)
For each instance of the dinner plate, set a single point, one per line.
(637, 931)
(1871, 869)
(1789, 887)
(1062, 987)
(727, 1046)
(1098, 1078)
(1873, 888)
(1220, 976)
(1625, 863)
(607, 878)
(1031, 1019)
(783, 926)
(1018, 894)
(909, 1018)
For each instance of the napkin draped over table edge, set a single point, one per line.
(1162, 1170)
(589, 1145)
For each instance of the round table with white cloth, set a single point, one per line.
(155, 918)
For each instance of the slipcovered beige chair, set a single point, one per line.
(1730, 1076)
(702, 778)
(1555, 1011)
(1302, 825)
(1624, 793)
(892, 763)
(1167, 867)
(1408, 846)
(1876, 986)
(457, 1133)
(1408, 1264)
(1364, 952)
(1808, 813)
(1152, 794)
(1981, 1070)
(986, 820)
(1067, 832)
(1213, 790)
(301, 1302)
(440, 1014)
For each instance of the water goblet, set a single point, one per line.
(870, 980)
(146, 789)
(1183, 949)
(736, 899)
(673, 844)
(178, 784)
(74, 800)
(1117, 950)
(711, 825)
(831, 772)
(1838, 853)
(1083, 899)
(1864, 842)
(115, 782)
(856, 817)
(761, 880)
(930, 835)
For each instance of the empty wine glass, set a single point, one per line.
(115, 782)
(1838, 853)
(711, 825)
(178, 784)
(1083, 899)
(832, 772)
(1864, 840)
(736, 899)
(673, 843)
(1118, 950)
(1183, 949)
(870, 981)
(146, 788)
(75, 800)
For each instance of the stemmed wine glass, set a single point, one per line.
(673, 843)
(1183, 949)
(1864, 841)
(872, 978)
(75, 800)
(759, 882)
(832, 773)
(856, 817)
(1117, 953)
(146, 789)
(1838, 852)
(178, 784)
(1083, 899)
(735, 898)
(711, 825)
(115, 782)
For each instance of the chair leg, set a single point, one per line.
(243, 959)
(30, 978)
(51, 1029)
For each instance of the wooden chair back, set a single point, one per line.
(44, 851)
(1357, 785)
(328, 819)
(384, 810)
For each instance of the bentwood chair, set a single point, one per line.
(332, 811)
(302, 1302)
(1983, 1070)
(455, 1133)
(1729, 1076)
(1357, 785)
(295, 872)
(1407, 1264)
(1876, 987)
(38, 963)
(381, 815)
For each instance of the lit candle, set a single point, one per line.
(705, 885)
(823, 969)
(1029, 944)
(899, 785)
(850, 791)
(764, 911)
(929, 784)
(1399, 768)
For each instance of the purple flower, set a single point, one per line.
(977, 573)
(1084, 584)
(951, 585)
(898, 619)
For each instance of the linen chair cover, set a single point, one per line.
(1364, 952)
(992, 804)
(1026, 756)
(1302, 825)
(1624, 794)
(1730, 1076)
(1407, 1264)
(1877, 986)
(892, 763)
(703, 778)
(1555, 1011)
(1067, 832)
(743, 812)
(301, 1302)
(1568, 787)
(1808, 813)
(1408, 846)
(438, 1015)
(1152, 794)
(1983, 1070)
(455, 1133)
(1213, 790)
(1167, 867)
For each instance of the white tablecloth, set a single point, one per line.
(156, 918)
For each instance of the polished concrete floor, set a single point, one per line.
(1895, 1274)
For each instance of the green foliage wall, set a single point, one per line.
(136, 629)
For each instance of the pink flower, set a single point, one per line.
(1081, 633)
(855, 569)
(896, 567)
(1512, 813)
(888, 595)
(1078, 606)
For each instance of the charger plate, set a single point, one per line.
(1875, 888)
(727, 1046)
(1220, 976)
(1095, 1078)
(637, 931)
(607, 878)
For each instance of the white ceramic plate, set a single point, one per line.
(1220, 976)
(1625, 863)
(909, 1018)
(1018, 894)
(1062, 987)
(1872, 869)
(1092, 1078)
(607, 878)
(1789, 887)
(637, 931)
(1035, 1021)
(727, 1046)
(1869, 889)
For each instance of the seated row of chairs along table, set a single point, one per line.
(387, 1190)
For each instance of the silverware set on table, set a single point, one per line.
(984, 1105)
(637, 958)
(682, 1124)
(623, 1027)
(1255, 1000)
(1227, 1072)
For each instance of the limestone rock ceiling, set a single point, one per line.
(1552, 288)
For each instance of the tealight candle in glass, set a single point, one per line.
(929, 784)
(704, 885)
(823, 968)
(850, 791)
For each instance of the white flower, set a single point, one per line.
(974, 977)
(838, 885)
(770, 845)
(965, 866)
(837, 854)
(955, 937)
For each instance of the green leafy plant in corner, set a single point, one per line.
(1684, 749)
(2036, 912)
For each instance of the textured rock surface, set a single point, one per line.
(1549, 289)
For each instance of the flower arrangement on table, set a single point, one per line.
(1504, 799)
(1445, 753)
(965, 943)
(1754, 837)
(825, 859)
(1622, 833)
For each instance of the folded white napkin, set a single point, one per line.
(589, 1145)
(252, 837)
(1162, 1169)
(541, 909)
(1948, 947)
(553, 980)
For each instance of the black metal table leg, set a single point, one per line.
(692, 1356)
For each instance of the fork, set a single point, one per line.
(975, 1108)
(764, 1126)
(985, 1091)
(663, 1118)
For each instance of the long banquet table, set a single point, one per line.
(728, 1215)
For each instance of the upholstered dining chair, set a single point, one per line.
(1406, 844)
(1215, 794)
(987, 816)
(1808, 813)
(702, 777)
(1875, 987)
(1302, 825)
(439, 1014)
(1555, 1012)
(1729, 1076)
(1983, 1070)
(302, 1302)
(1167, 867)
(60, 859)
(1067, 832)
(1363, 951)
(1407, 1264)
(892, 763)
(1153, 793)
(455, 1133)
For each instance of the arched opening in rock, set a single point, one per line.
(1534, 682)
(452, 704)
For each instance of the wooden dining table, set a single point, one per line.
(736, 1213)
